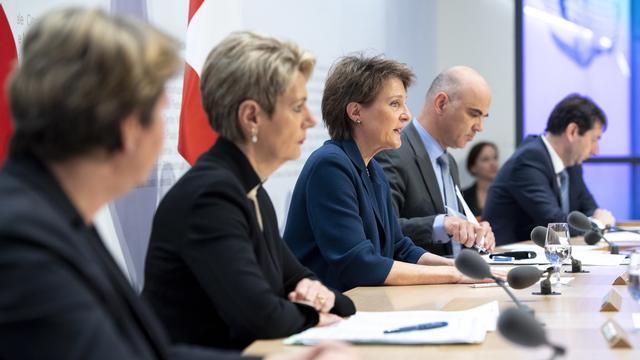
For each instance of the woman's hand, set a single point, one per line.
(313, 293)
(328, 319)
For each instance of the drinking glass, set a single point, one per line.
(557, 247)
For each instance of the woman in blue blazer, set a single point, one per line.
(341, 223)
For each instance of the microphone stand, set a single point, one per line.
(545, 285)
(557, 350)
(520, 305)
(613, 248)
(576, 265)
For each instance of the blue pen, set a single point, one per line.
(427, 326)
(503, 258)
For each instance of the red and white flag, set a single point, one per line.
(8, 56)
(209, 22)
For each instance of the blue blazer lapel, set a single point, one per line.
(351, 148)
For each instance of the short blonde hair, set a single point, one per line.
(247, 65)
(82, 72)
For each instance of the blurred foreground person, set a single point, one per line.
(87, 102)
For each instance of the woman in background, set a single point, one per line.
(482, 163)
(217, 272)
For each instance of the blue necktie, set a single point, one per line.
(564, 190)
(448, 192)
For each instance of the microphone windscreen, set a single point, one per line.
(471, 264)
(579, 221)
(592, 237)
(538, 235)
(522, 277)
(521, 328)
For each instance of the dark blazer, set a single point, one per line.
(415, 190)
(470, 195)
(211, 275)
(525, 194)
(63, 296)
(341, 222)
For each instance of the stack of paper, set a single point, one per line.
(464, 327)
(598, 258)
(622, 236)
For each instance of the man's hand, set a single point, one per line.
(468, 233)
(604, 216)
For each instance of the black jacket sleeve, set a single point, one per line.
(294, 272)
(219, 251)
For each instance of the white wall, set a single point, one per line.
(481, 34)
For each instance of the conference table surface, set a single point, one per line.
(572, 319)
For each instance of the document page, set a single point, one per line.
(464, 327)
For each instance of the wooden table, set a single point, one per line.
(572, 319)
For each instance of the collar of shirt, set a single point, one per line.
(226, 151)
(434, 150)
(558, 165)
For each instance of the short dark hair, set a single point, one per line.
(575, 109)
(82, 73)
(357, 78)
(475, 151)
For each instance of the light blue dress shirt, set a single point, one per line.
(435, 151)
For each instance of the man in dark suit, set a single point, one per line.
(423, 175)
(74, 149)
(542, 181)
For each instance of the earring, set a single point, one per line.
(358, 121)
(254, 135)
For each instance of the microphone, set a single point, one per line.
(580, 221)
(471, 264)
(593, 237)
(522, 328)
(522, 277)
(538, 236)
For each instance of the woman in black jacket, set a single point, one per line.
(217, 271)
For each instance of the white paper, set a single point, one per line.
(564, 280)
(464, 327)
(623, 236)
(599, 258)
(636, 320)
